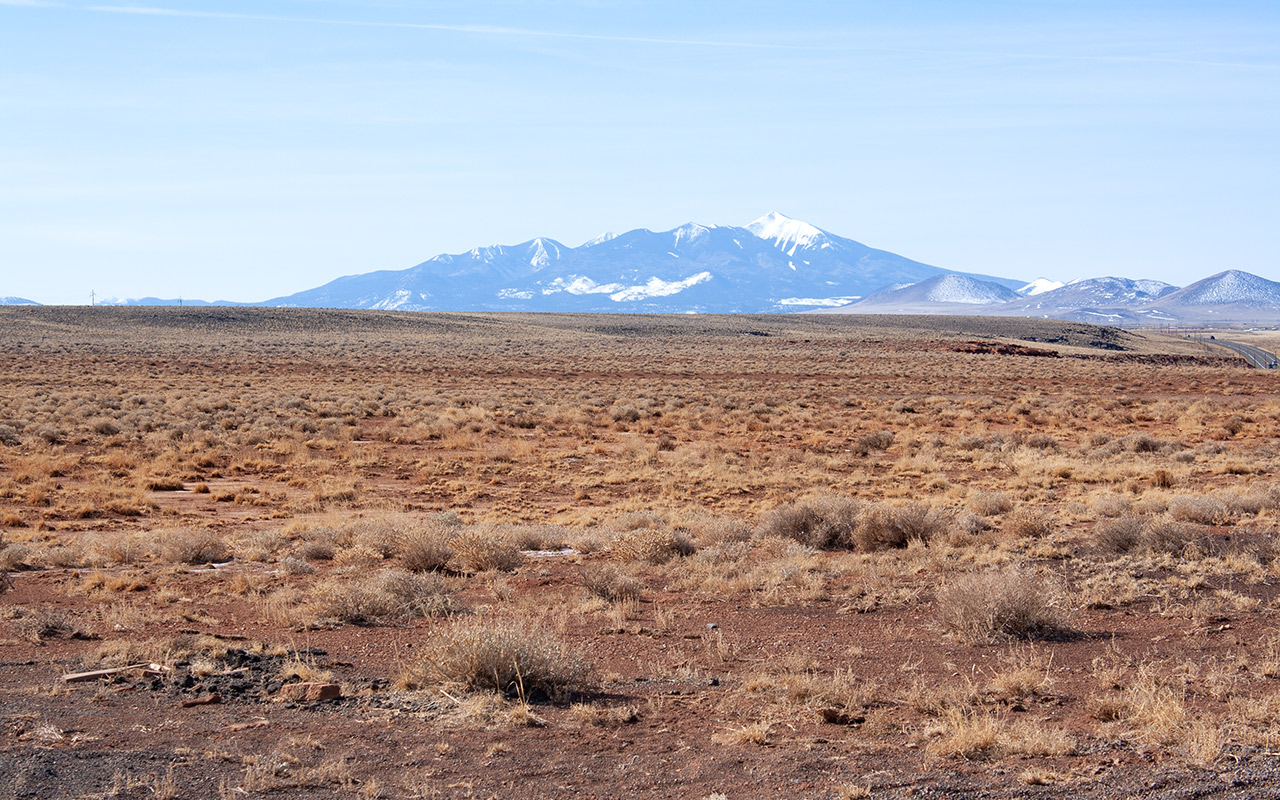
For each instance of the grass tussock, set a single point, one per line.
(1013, 603)
(188, 546)
(387, 597)
(513, 657)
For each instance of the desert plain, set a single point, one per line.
(306, 553)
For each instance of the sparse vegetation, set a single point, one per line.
(845, 542)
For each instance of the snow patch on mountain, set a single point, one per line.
(542, 254)
(656, 287)
(621, 293)
(818, 302)
(786, 234)
(601, 239)
(580, 285)
(690, 232)
(1039, 286)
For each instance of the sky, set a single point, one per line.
(243, 151)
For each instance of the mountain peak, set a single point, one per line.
(601, 239)
(786, 233)
(690, 231)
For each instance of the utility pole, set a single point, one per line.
(91, 297)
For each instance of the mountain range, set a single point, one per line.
(1231, 296)
(773, 264)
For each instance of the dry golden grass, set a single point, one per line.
(1008, 604)
(862, 476)
(511, 656)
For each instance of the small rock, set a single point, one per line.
(203, 700)
(310, 692)
(711, 626)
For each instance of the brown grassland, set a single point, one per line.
(627, 556)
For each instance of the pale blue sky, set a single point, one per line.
(242, 150)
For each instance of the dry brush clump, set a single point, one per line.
(484, 548)
(1136, 533)
(838, 522)
(512, 656)
(826, 522)
(647, 537)
(1012, 603)
(387, 597)
(610, 585)
(188, 546)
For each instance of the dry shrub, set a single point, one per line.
(1120, 535)
(1111, 505)
(883, 526)
(318, 544)
(426, 548)
(536, 537)
(483, 548)
(184, 647)
(826, 522)
(119, 548)
(260, 545)
(1146, 443)
(1165, 536)
(511, 656)
(192, 547)
(974, 735)
(1204, 510)
(1028, 523)
(869, 443)
(1008, 604)
(36, 626)
(295, 566)
(989, 504)
(15, 556)
(646, 537)
(389, 596)
(609, 584)
(1253, 502)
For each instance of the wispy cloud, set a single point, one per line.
(479, 30)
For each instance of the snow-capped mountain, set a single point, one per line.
(17, 301)
(941, 294)
(1108, 300)
(1230, 295)
(772, 264)
(1232, 287)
